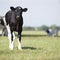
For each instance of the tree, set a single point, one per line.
(53, 27)
(43, 27)
(28, 28)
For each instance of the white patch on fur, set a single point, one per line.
(9, 34)
(13, 36)
(9, 37)
(19, 45)
(4, 21)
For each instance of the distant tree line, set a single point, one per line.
(43, 27)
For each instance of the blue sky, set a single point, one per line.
(40, 12)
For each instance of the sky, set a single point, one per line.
(40, 12)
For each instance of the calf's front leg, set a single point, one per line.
(10, 37)
(19, 42)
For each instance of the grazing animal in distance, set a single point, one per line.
(14, 21)
(51, 32)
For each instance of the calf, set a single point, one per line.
(13, 21)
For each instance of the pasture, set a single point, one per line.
(34, 47)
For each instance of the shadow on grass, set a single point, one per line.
(31, 48)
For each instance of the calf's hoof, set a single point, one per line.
(11, 47)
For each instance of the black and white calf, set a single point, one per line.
(13, 21)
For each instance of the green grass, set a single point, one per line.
(34, 48)
(34, 33)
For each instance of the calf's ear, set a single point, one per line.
(12, 8)
(25, 9)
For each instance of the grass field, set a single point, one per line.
(34, 48)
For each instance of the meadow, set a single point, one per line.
(35, 46)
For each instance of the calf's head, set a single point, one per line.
(18, 11)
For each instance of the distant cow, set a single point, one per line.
(13, 21)
(51, 32)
